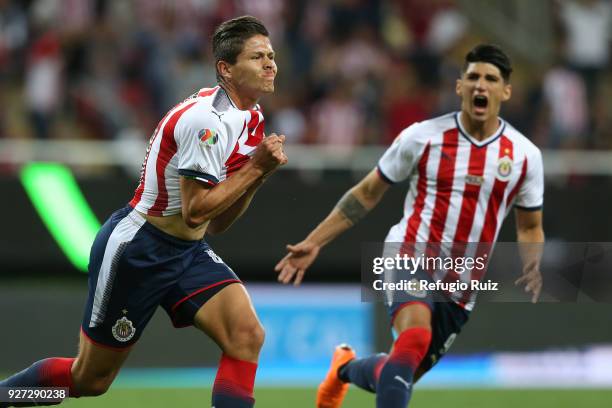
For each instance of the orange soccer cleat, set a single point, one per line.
(332, 390)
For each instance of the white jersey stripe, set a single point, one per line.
(452, 219)
(414, 217)
(444, 183)
(149, 176)
(430, 198)
(473, 178)
(485, 191)
(166, 160)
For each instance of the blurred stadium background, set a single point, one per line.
(84, 82)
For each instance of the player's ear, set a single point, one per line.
(458, 86)
(224, 69)
(507, 92)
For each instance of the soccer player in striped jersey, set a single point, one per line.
(203, 165)
(467, 170)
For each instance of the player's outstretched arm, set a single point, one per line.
(351, 208)
(530, 236)
(201, 204)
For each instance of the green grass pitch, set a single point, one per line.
(304, 398)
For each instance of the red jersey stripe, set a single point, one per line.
(497, 196)
(489, 228)
(495, 199)
(444, 184)
(143, 174)
(469, 203)
(167, 150)
(471, 192)
(412, 226)
(255, 129)
(235, 161)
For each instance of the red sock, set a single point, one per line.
(56, 372)
(396, 378)
(378, 368)
(234, 383)
(411, 346)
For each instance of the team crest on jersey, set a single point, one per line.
(504, 168)
(208, 137)
(123, 330)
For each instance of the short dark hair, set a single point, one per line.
(228, 39)
(491, 54)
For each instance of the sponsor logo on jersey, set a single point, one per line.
(208, 137)
(123, 330)
(475, 180)
(504, 168)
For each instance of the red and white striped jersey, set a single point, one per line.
(206, 137)
(461, 189)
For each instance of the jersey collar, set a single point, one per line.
(483, 142)
(226, 95)
(256, 107)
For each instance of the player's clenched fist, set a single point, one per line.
(269, 155)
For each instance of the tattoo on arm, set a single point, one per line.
(351, 208)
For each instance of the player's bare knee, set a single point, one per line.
(258, 336)
(411, 317)
(246, 339)
(251, 335)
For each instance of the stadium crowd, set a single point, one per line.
(351, 72)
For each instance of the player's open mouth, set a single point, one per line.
(480, 103)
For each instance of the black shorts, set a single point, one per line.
(447, 320)
(135, 267)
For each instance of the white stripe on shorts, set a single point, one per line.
(119, 239)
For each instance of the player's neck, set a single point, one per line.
(477, 129)
(240, 101)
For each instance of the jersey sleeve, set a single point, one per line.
(199, 148)
(531, 192)
(399, 159)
